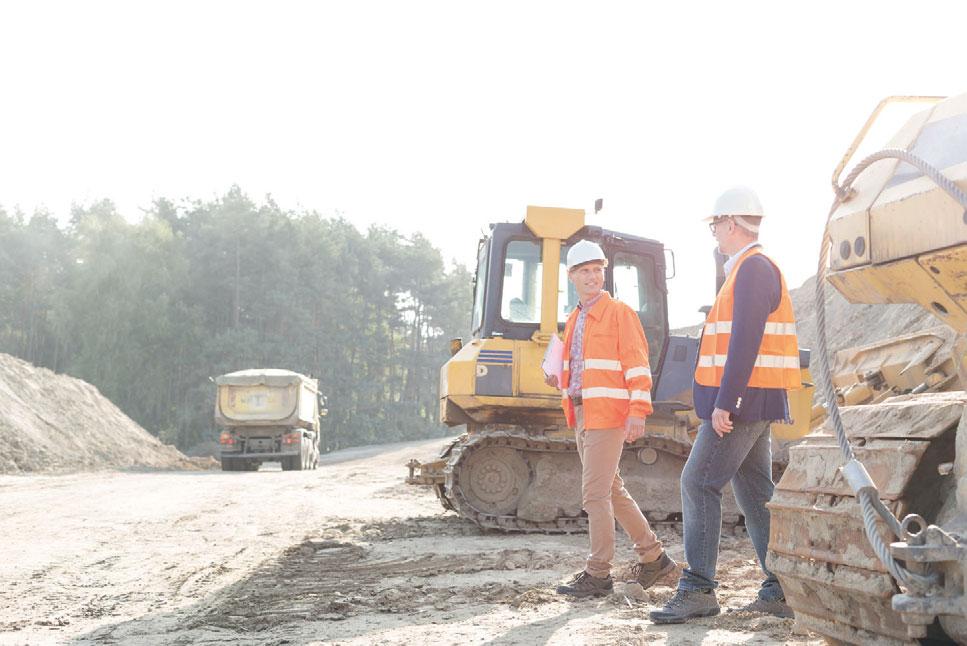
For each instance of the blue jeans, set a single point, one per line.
(743, 457)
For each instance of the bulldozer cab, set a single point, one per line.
(512, 282)
(522, 297)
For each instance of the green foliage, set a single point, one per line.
(148, 311)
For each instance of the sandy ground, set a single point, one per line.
(345, 554)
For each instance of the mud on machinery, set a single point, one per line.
(875, 551)
(516, 468)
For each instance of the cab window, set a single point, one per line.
(479, 288)
(520, 300)
(635, 285)
(522, 290)
(567, 296)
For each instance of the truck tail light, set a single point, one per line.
(226, 438)
(291, 438)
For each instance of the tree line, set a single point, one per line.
(148, 311)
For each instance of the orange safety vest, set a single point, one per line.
(616, 381)
(777, 363)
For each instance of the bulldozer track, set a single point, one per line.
(831, 576)
(453, 493)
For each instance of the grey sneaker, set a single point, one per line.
(685, 605)
(774, 607)
(585, 585)
(647, 574)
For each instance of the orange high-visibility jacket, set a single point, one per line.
(777, 363)
(616, 381)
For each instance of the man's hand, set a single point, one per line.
(551, 380)
(721, 423)
(634, 428)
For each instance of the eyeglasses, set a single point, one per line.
(717, 221)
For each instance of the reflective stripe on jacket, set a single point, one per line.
(616, 381)
(777, 361)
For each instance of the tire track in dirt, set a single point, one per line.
(354, 568)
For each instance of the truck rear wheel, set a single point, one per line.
(292, 463)
(229, 463)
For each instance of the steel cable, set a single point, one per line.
(867, 496)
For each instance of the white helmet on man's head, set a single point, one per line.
(584, 251)
(741, 203)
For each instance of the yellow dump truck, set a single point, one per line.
(268, 415)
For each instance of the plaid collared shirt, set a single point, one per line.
(576, 354)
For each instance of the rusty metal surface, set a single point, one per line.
(830, 575)
(840, 633)
(805, 528)
(895, 365)
(856, 599)
(924, 416)
(425, 473)
(890, 463)
(430, 473)
(949, 267)
(930, 548)
(530, 411)
(818, 548)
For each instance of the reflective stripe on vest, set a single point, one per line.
(777, 362)
(615, 378)
(613, 371)
(761, 361)
(725, 327)
(615, 366)
(615, 393)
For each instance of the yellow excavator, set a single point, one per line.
(516, 468)
(869, 520)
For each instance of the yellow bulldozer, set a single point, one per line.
(869, 520)
(516, 468)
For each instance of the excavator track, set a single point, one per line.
(831, 577)
(519, 482)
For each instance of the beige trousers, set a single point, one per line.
(605, 499)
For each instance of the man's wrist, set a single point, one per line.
(727, 404)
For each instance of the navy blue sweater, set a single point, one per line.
(757, 293)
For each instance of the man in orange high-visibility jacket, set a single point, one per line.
(606, 390)
(747, 361)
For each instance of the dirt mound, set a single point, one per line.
(849, 325)
(51, 422)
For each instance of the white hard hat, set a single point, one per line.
(583, 251)
(738, 200)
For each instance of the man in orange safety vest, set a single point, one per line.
(748, 359)
(606, 394)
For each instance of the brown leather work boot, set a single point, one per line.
(647, 574)
(585, 585)
(685, 605)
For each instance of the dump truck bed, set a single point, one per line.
(265, 397)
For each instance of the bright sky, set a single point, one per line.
(441, 117)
